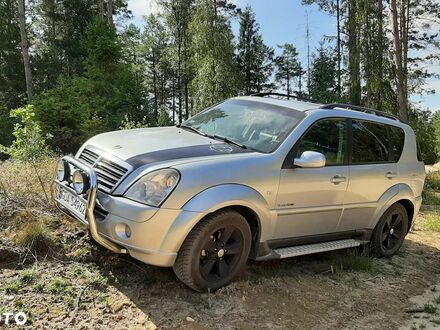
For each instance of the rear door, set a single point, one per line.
(373, 171)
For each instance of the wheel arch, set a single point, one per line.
(240, 198)
(400, 193)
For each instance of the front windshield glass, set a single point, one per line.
(255, 125)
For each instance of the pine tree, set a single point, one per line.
(216, 73)
(288, 67)
(323, 81)
(255, 59)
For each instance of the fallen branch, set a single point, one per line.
(77, 300)
(415, 310)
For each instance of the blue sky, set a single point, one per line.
(284, 21)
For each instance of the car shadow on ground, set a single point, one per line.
(293, 292)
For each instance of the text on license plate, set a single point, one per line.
(71, 201)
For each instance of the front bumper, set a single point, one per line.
(156, 234)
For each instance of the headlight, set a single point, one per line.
(154, 188)
(63, 170)
(80, 182)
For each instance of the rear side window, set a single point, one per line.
(397, 141)
(371, 143)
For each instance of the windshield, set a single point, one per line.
(254, 125)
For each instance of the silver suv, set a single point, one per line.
(253, 177)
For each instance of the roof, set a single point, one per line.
(336, 108)
(293, 104)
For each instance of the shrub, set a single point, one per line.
(30, 142)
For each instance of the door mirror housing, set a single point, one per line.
(310, 159)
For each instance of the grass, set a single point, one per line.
(35, 236)
(27, 276)
(12, 287)
(432, 222)
(431, 197)
(430, 309)
(432, 181)
(353, 261)
(57, 285)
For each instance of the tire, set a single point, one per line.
(390, 231)
(214, 252)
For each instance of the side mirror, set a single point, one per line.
(310, 159)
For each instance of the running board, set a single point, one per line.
(300, 250)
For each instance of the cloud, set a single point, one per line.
(141, 8)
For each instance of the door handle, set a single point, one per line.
(338, 179)
(390, 175)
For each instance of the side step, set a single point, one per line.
(300, 250)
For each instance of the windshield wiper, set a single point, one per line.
(226, 140)
(192, 129)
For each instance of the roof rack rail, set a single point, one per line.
(361, 109)
(296, 96)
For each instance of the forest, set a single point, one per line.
(72, 69)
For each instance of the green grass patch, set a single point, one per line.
(432, 181)
(431, 197)
(353, 261)
(430, 309)
(57, 285)
(432, 222)
(12, 287)
(28, 276)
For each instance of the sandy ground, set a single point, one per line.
(100, 290)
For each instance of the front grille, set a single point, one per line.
(108, 171)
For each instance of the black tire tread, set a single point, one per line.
(182, 265)
(375, 248)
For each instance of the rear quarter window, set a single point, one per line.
(397, 136)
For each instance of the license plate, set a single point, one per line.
(74, 203)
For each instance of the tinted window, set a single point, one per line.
(328, 137)
(398, 140)
(371, 143)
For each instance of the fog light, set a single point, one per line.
(123, 231)
(80, 182)
(63, 170)
(127, 231)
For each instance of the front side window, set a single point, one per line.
(371, 143)
(328, 137)
(255, 125)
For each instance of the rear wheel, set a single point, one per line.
(390, 232)
(214, 252)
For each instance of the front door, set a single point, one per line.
(310, 200)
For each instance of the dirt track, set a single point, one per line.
(291, 294)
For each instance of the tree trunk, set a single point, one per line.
(338, 42)
(25, 50)
(381, 50)
(403, 102)
(156, 108)
(354, 54)
(101, 8)
(110, 12)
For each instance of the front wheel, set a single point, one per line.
(390, 232)
(214, 252)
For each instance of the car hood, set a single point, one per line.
(149, 145)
